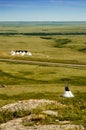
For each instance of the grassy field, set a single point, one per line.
(26, 81)
(44, 49)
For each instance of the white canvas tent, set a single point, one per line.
(67, 93)
(21, 52)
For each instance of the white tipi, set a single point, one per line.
(67, 93)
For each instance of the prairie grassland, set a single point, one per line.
(26, 81)
(24, 78)
(44, 49)
(42, 27)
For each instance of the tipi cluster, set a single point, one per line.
(21, 52)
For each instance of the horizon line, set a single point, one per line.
(43, 21)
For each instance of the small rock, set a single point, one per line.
(3, 86)
(64, 122)
(49, 112)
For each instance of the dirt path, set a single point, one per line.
(83, 66)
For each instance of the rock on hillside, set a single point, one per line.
(27, 105)
(40, 112)
(17, 125)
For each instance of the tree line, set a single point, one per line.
(42, 33)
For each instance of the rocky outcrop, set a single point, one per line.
(32, 121)
(28, 105)
(17, 125)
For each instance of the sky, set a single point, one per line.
(42, 10)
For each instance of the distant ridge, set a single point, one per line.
(42, 33)
(42, 23)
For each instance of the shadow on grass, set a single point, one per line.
(17, 79)
(79, 97)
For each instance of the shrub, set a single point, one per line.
(82, 50)
(61, 42)
(6, 115)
